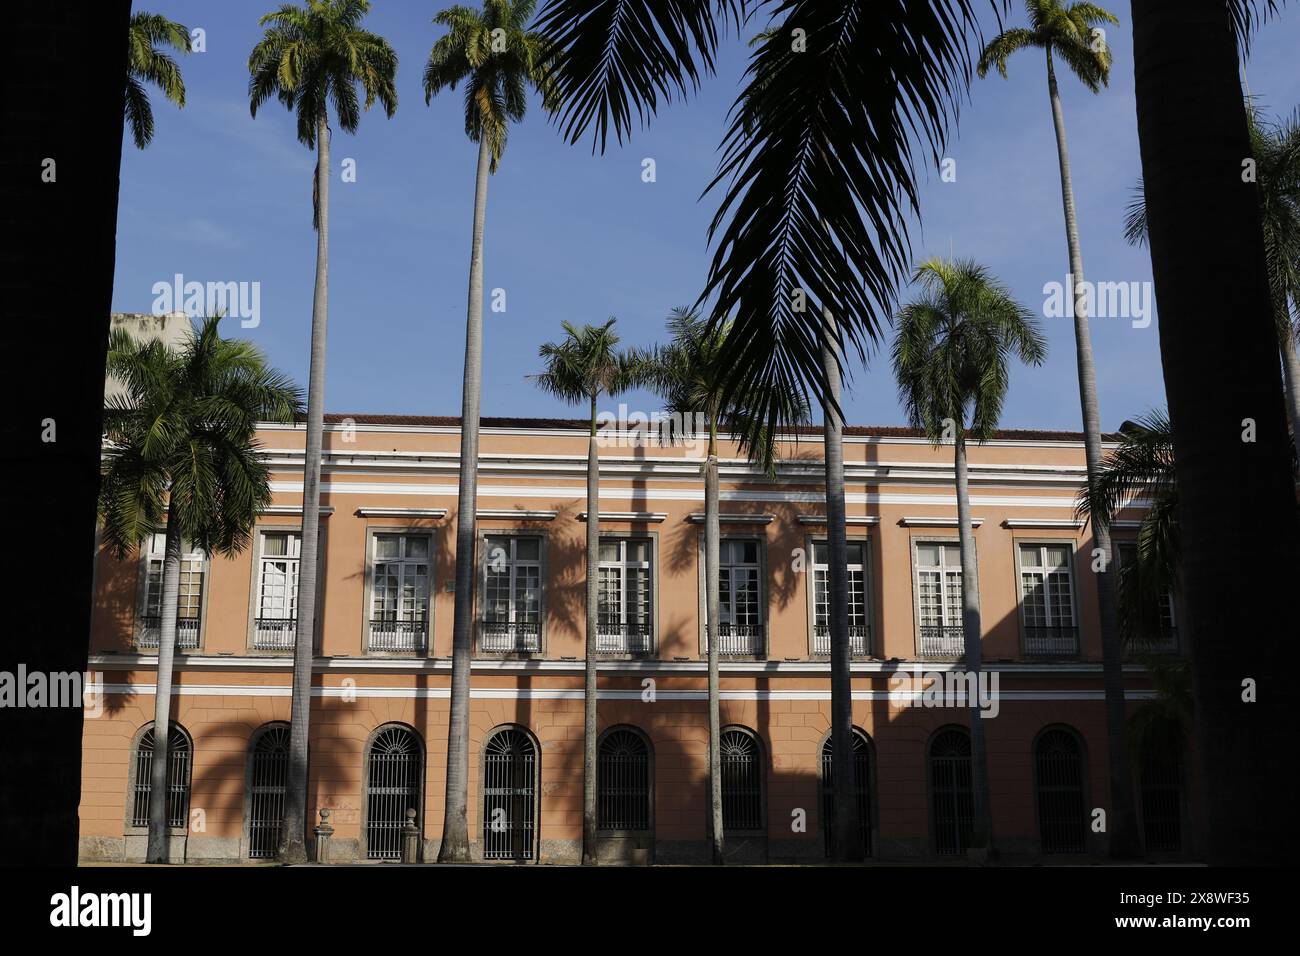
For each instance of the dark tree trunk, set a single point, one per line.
(63, 102)
(1218, 346)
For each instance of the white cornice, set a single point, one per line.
(517, 515)
(912, 521)
(1072, 524)
(697, 517)
(849, 519)
(651, 517)
(374, 512)
(293, 510)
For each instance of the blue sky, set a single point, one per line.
(219, 196)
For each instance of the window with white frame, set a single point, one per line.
(938, 599)
(1167, 638)
(625, 596)
(276, 621)
(859, 623)
(740, 599)
(399, 591)
(1047, 598)
(189, 598)
(512, 595)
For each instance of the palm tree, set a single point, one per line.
(950, 358)
(690, 373)
(1275, 149)
(182, 443)
(310, 57)
(147, 64)
(498, 58)
(580, 369)
(1070, 33)
(1240, 539)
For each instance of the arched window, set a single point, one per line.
(179, 751)
(623, 780)
(1058, 783)
(951, 801)
(394, 776)
(742, 781)
(1162, 799)
(861, 788)
(268, 769)
(509, 795)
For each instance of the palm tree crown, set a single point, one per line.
(1070, 32)
(952, 348)
(147, 64)
(588, 364)
(181, 436)
(497, 57)
(315, 55)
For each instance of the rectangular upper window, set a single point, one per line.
(512, 595)
(625, 596)
(859, 622)
(275, 621)
(741, 597)
(939, 599)
(399, 591)
(1047, 598)
(1166, 640)
(189, 598)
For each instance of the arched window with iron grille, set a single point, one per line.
(1058, 789)
(394, 784)
(861, 788)
(742, 781)
(1162, 799)
(951, 799)
(509, 795)
(623, 780)
(179, 768)
(268, 766)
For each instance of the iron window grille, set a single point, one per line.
(266, 785)
(1058, 778)
(1047, 600)
(742, 782)
(623, 781)
(861, 789)
(393, 786)
(952, 799)
(178, 779)
(509, 796)
(1162, 800)
(859, 622)
(512, 619)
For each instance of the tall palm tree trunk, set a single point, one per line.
(1291, 378)
(846, 839)
(454, 847)
(293, 839)
(712, 544)
(589, 687)
(1237, 506)
(159, 831)
(982, 829)
(1124, 842)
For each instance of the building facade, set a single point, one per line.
(382, 667)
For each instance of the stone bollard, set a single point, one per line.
(323, 833)
(410, 839)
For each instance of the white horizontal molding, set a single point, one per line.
(1126, 524)
(519, 514)
(294, 509)
(914, 521)
(697, 517)
(372, 512)
(652, 517)
(1073, 524)
(849, 519)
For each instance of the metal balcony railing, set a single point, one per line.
(859, 639)
(738, 640)
(187, 632)
(1051, 641)
(632, 638)
(1165, 643)
(946, 641)
(390, 635)
(274, 633)
(509, 637)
